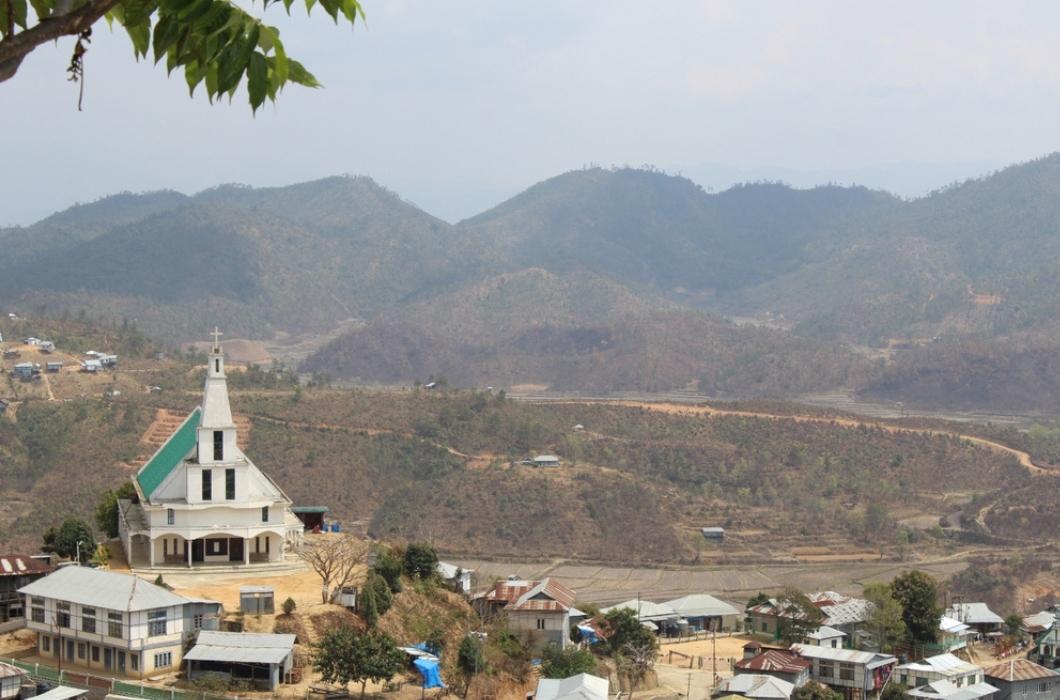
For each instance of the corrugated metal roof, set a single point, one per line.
(548, 594)
(946, 664)
(850, 611)
(646, 609)
(21, 565)
(752, 685)
(951, 691)
(866, 658)
(580, 687)
(62, 692)
(102, 589)
(169, 455)
(1018, 670)
(825, 632)
(951, 626)
(241, 647)
(701, 605)
(9, 671)
(776, 661)
(974, 614)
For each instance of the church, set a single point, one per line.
(200, 500)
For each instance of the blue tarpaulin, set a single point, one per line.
(428, 668)
(588, 634)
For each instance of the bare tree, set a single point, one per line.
(334, 560)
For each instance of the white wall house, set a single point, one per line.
(856, 674)
(110, 621)
(200, 500)
(942, 667)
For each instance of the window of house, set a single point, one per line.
(171, 516)
(164, 660)
(36, 614)
(95, 654)
(88, 619)
(920, 680)
(114, 625)
(207, 484)
(264, 514)
(765, 627)
(156, 623)
(62, 615)
(540, 623)
(826, 669)
(846, 672)
(197, 621)
(230, 484)
(134, 661)
(1043, 687)
(46, 643)
(81, 649)
(218, 446)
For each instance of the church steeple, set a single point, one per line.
(217, 430)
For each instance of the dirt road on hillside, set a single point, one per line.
(706, 410)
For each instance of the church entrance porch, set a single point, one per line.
(214, 549)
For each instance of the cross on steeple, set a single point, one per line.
(216, 339)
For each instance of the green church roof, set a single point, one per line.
(179, 444)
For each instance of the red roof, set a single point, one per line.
(21, 565)
(1018, 670)
(547, 595)
(776, 661)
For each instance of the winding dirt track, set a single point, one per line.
(706, 410)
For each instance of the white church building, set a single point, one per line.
(200, 500)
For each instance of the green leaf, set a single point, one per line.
(19, 9)
(298, 74)
(141, 37)
(138, 11)
(257, 80)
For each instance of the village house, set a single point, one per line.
(200, 500)
(1021, 679)
(537, 611)
(755, 687)
(943, 667)
(111, 621)
(825, 636)
(16, 571)
(1046, 649)
(947, 690)
(11, 678)
(855, 674)
(841, 613)
(580, 687)
(953, 634)
(705, 612)
(978, 616)
(457, 578)
(779, 663)
(264, 660)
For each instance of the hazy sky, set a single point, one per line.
(457, 104)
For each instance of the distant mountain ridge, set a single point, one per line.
(594, 278)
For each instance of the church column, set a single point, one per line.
(187, 551)
(150, 552)
(246, 551)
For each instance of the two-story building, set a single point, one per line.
(200, 500)
(111, 621)
(855, 674)
(537, 611)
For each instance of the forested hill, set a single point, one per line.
(609, 278)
